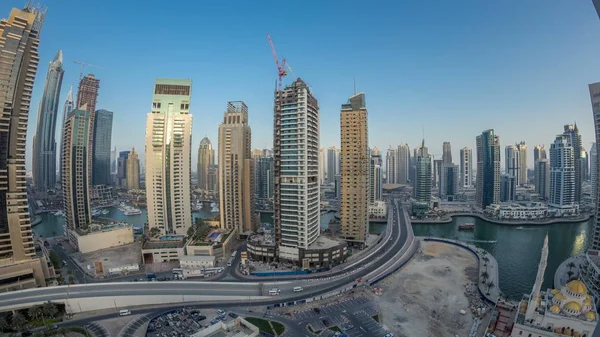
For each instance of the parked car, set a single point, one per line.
(233, 315)
(317, 310)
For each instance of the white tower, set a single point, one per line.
(534, 299)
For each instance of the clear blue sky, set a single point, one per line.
(455, 67)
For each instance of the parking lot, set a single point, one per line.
(185, 322)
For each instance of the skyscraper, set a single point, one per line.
(101, 149)
(87, 95)
(333, 158)
(355, 162)
(450, 181)
(236, 183)
(168, 153)
(574, 140)
(446, 154)
(403, 165)
(113, 161)
(595, 101)
(44, 141)
(594, 171)
(521, 179)
(512, 159)
(122, 169)
(19, 40)
(539, 152)
(422, 185)
(436, 177)
(508, 187)
(68, 107)
(133, 170)
(263, 179)
(375, 178)
(75, 185)
(562, 173)
(322, 166)
(542, 178)
(296, 223)
(488, 169)
(466, 167)
(391, 165)
(206, 160)
(585, 165)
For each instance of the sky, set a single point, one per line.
(443, 69)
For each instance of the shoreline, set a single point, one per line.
(504, 222)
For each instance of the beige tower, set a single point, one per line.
(19, 38)
(133, 170)
(236, 170)
(354, 170)
(206, 161)
(168, 152)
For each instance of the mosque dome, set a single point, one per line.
(577, 287)
(573, 307)
(555, 291)
(559, 297)
(590, 316)
(555, 309)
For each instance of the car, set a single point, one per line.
(201, 317)
(347, 327)
(233, 315)
(214, 321)
(389, 334)
(326, 323)
(220, 312)
(317, 310)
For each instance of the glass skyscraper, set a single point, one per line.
(488, 169)
(101, 149)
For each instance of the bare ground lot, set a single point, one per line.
(425, 297)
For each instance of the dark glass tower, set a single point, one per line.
(101, 148)
(44, 142)
(488, 169)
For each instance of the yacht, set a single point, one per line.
(196, 206)
(132, 211)
(214, 208)
(105, 211)
(59, 213)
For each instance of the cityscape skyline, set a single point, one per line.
(130, 111)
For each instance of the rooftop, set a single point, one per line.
(323, 242)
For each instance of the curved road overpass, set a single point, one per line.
(87, 297)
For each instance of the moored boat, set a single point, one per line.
(466, 226)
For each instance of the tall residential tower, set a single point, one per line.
(488, 169)
(206, 160)
(466, 167)
(101, 150)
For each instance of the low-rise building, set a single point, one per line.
(238, 327)
(513, 211)
(378, 210)
(100, 236)
(163, 249)
(557, 211)
(196, 262)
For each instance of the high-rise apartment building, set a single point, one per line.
(403, 164)
(571, 131)
(355, 162)
(122, 169)
(76, 184)
(44, 141)
(322, 166)
(521, 179)
(296, 156)
(450, 181)
(264, 176)
(466, 167)
(542, 178)
(133, 169)
(446, 153)
(168, 157)
(333, 164)
(562, 173)
(391, 165)
(436, 178)
(539, 152)
(236, 170)
(113, 161)
(68, 107)
(594, 171)
(375, 178)
(595, 101)
(422, 185)
(206, 160)
(512, 159)
(101, 150)
(585, 165)
(87, 95)
(508, 188)
(19, 40)
(488, 169)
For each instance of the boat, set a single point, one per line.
(59, 213)
(105, 211)
(467, 226)
(133, 211)
(519, 227)
(214, 208)
(196, 207)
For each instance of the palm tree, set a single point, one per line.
(4, 325)
(18, 321)
(571, 265)
(35, 313)
(484, 276)
(490, 285)
(570, 273)
(49, 310)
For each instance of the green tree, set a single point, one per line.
(570, 273)
(35, 313)
(71, 279)
(485, 276)
(154, 231)
(4, 325)
(571, 265)
(55, 260)
(490, 285)
(49, 310)
(60, 279)
(18, 321)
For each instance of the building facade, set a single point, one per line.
(450, 181)
(375, 178)
(512, 164)
(236, 170)
(508, 188)
(355, 163)
(542, 178)
(391, 165)
(101, 150)
(168, 157)
(422, 185)
(466, 167)
(333, 164)
(488, 169)
(571, 131)
(562, 173)
(133, 170)
(446, 153)
(68, 107)
(206, 160)
(594, 171)
(122, 169)
(44, 141)
(264, 177)
(539, 152)
(594, 89)
(87, 95)
(296, 155)
(403, 164)
(522, 153)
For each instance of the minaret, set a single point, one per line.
(534, 300)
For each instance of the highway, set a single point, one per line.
(230, 291)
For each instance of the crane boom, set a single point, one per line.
(281, 72)
(83, 65)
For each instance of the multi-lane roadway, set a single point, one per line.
(378, 263)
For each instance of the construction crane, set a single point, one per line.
(291, 71)
(83, 65)
(281, 72)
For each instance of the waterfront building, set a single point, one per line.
(508, 188)
(44, 141)
(122, 169)
(450, 181)
(21, 267)
(168, 153)
(562, 176)
(488, 169)
(76, 185)
(446, 153)
(391, 164)
(514, 211)
(206, 160)
(378, 210)
(101, 150)
(264, 177)
(594, 89)
(569, 311)
(375, 178)
(87, 95)
(333, 164)
(102, 195)
(422, 185)
(355, 163)
(403, 164)
(594, 171)
(511, 161)
(133, 170)
(542, 178)
(571, 131)
(466, 167)
(322, 166)
(521, 179)
(68, 107)
(236, 170)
